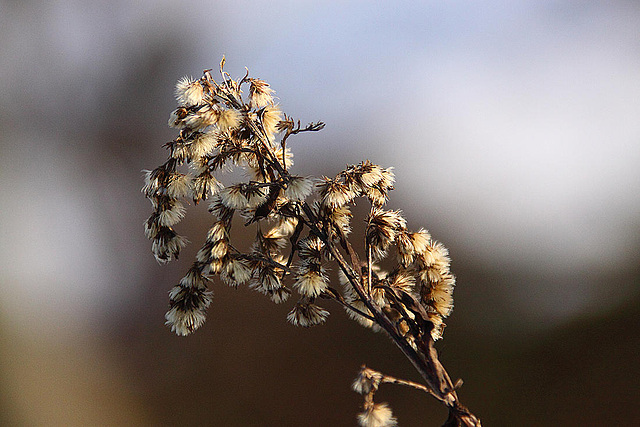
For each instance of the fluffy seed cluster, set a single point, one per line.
(422, 273)
(377, 415)
(363, 180)
(220, 129)
(189, 301)
(301, 224)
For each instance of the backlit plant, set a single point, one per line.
(302, 227)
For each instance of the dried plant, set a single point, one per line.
(302, 225)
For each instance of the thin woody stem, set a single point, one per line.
(335, 296)
(367, 246)
(388, 379)
(268, 260)
(369, 269)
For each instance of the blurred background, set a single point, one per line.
(513, 129)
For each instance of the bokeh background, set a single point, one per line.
(513, 129)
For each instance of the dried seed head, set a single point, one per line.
(376, 196)
(406, 253)
(208, 115)
(387, 179)
(188, 302)
(234, 197)
(272, 242)
(420, 240)
(204, 253)
(260, 94)
(279, 295)
(438, 326)
(441, 295)
(179, 186)
(217, 232)
(202, 144)
(307, 314)
(366, 381)
(341, 218)
(151, 226)
(219, 249)
(228, 120)
(412, 245)
(404, 281)
(193, 279)
(176, 118)
(188, 306)
(298, 188)
(200, 165)
(284, 156)
(215, 265)
(312, 281)
(236, 272)
(171, 214)
(151, 182)
(266, 279)
(271, 116)
(197, 120)
(370, 175)
(379, 297)
(363, 176)
(382, 229)
(311, 247)
(335, 193)
(189, 92)
(219, 210)
(167, 244)
(377, 415)
(203, 186)
(256, 195)
(178, 150)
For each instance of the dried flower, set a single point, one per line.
(236, 272)
(260, 93)
(203, 186)
(298, 188)
(312, 280)
(179, 186)
(307, 314)
(366, 381)
(189, 92)
(299, 234)
(335, 193)
(188, 302)
(271, 116)
(228, 119)
(202, 144)
(382, 229)
(233, 197)
(377, 415)
(167, 244)
(188, 309)
(172, 213)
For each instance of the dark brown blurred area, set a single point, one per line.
(86, 91)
